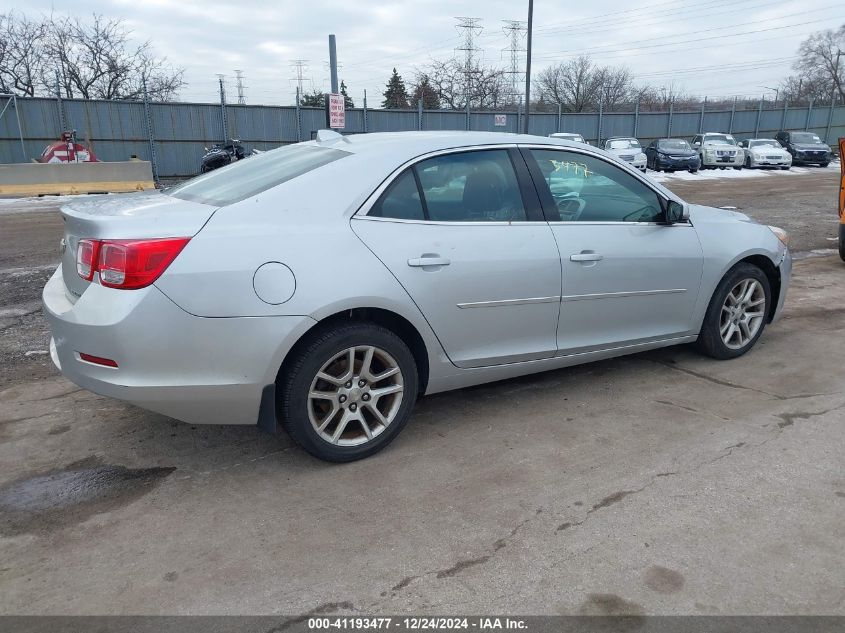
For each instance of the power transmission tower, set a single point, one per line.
(299, 67)
(239, 76)
(515, 30)
(470, 28)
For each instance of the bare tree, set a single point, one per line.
(96, 60)
(575, 84)
(819, 61)
(22, 56)
(453, 84)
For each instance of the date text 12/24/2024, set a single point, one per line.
(416, 624)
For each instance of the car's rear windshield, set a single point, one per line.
(673, 144)
(252, 175)
(805, 137)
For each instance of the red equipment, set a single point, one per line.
(67, 151)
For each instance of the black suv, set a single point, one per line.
(805, 147)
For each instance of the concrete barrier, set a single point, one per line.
(35, 179)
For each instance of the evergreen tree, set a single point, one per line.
(426, 93)
(396, 95)
(313, 99)
(347, 100)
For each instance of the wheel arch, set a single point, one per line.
(388, 319)
(772, 273)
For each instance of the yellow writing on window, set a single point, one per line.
(571, 167)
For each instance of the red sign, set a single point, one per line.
(500, 120)
(337, 111)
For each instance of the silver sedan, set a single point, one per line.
(324, 286)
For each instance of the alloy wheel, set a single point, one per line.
(355, 396)
(742, 313)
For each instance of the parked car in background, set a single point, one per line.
(806, 148)
(219, 300)
(672, 154)
(628, 149)
(718, 150)
(765, 152)
(569, 136)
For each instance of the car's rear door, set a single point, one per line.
(464, 234)
(628, 278)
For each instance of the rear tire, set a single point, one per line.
(355, 413)
(734, 322)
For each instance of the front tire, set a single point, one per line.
(824, 164)
(347, 392)
(736, 316)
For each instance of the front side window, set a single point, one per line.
(249, 177)
(587, 189)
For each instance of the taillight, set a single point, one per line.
(131, 264)
(86, 258)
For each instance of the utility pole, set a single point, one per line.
(528, 64)
(239, 75)
(515, 30)
(471, 28)
(333, 62)
(220, 78)
(61, 105)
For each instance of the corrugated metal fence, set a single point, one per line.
(118, 129)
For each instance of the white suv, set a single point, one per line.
(718, 150)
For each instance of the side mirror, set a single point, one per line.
(676, 212)
(697, 144)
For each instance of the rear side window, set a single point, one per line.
(401, 200)
(476, 186)
(251, 176)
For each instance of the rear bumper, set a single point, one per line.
(199, 370)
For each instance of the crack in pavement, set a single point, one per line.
(733, 385)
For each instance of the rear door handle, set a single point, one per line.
(586, 257)
(429, 260)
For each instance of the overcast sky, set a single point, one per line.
(708, 47)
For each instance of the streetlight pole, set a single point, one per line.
(528, 64)
(777, 91)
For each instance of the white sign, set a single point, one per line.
(337, 111)
(500, 120)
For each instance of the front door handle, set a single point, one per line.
(586, 256)
(429, 260)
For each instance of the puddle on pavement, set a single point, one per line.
(65, 497)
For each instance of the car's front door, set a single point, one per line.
(467, 240)
(628, 278)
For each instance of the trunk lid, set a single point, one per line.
(126, 216)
